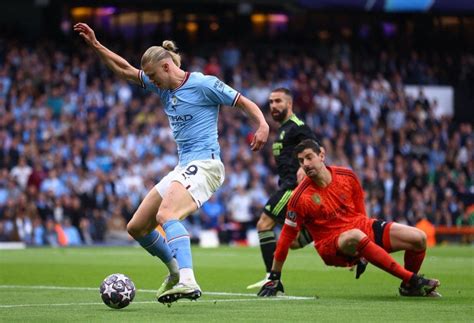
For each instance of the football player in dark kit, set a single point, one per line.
(291, 132)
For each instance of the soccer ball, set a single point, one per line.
(117, 291)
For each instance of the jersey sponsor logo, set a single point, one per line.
(179, 120)
(316, 199)
(182, 118)
(277, 147)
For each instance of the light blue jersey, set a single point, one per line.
(192, 109)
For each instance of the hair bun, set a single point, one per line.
(170, 45)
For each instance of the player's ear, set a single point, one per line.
(166, 67)
(322, 154)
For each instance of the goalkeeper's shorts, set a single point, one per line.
(377, 231)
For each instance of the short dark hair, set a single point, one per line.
(305, 144)
(284, 90)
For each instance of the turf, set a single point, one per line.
(59, 285)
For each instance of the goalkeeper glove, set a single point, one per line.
(273, 286)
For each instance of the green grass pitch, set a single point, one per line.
(61, 285)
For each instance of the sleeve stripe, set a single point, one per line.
(140, 77)
(236, 99)
(297, 193)
(345, 172)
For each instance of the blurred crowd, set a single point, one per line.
(79, 148)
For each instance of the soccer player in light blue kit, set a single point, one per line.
(191, 101)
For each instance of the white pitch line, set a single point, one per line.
(215, 301)
(254, 296)
(48, 287)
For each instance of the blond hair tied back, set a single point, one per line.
(155, 54)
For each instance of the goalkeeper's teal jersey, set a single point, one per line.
(192, 109)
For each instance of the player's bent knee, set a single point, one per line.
(350, 239)
(353, 235)
(265, 223)
(162, 218)
(420, 241)
(134, 230)
(166, 214)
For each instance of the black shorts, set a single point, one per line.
(276, 205)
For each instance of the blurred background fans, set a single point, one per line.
(387, 86)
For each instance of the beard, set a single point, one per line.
(279, 116)
(310, 172)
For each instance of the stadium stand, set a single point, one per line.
(79, 148)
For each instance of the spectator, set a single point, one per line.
(241, 214)
(117, 229)
(71, 232)
(21, 172)
(212, 214)
(84, 127)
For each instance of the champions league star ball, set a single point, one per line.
(117, 291)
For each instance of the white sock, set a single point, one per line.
(173, 267)
(186, 276)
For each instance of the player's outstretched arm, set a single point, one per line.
(116, 63)
(254, 112)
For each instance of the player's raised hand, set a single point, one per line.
(272, 287)
(85, 32)
(260, 137)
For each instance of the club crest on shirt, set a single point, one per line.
(174, 100)
(316, 199)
